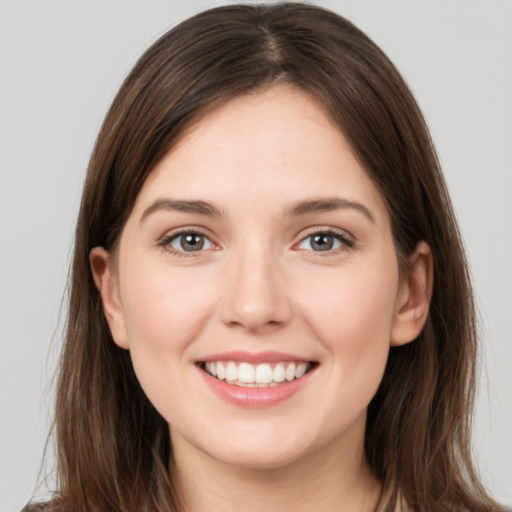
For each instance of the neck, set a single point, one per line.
(334, 479)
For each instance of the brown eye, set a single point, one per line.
(190, 242)
(324, 241)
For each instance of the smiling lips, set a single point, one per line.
(256, 380)
(249, 375)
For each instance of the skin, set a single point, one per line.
(257, 285)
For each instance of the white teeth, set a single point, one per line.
(231, 371)
(278, 374)
(210, 368)
(246, 373)
(301, 370)
(290, 372)
(261, 375)
(221, 373)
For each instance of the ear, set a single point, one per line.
(106, 282)
(414, 296)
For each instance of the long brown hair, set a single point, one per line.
(113, 446)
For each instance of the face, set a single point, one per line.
(256, 285)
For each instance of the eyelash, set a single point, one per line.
(347, 242)
(168, 239)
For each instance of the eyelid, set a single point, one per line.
(169, 236)
(347, 240)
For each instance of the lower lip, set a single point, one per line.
(256, 397)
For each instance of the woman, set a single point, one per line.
(270, 303)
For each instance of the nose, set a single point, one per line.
(254, 295)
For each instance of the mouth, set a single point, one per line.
(263, 375)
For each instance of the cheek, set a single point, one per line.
(353, 318)
(355, 301)
(165, 310)
(165, 307)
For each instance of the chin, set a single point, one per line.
(259, 459)
(268, 450)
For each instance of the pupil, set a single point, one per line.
(322, 242)
(193, 242)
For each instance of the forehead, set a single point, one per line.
(278, 143)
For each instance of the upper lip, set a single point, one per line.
(254, 357)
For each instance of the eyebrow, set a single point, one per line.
(312, 206)
(194, 207)
(307, 207)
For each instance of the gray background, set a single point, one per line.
(61, 62)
